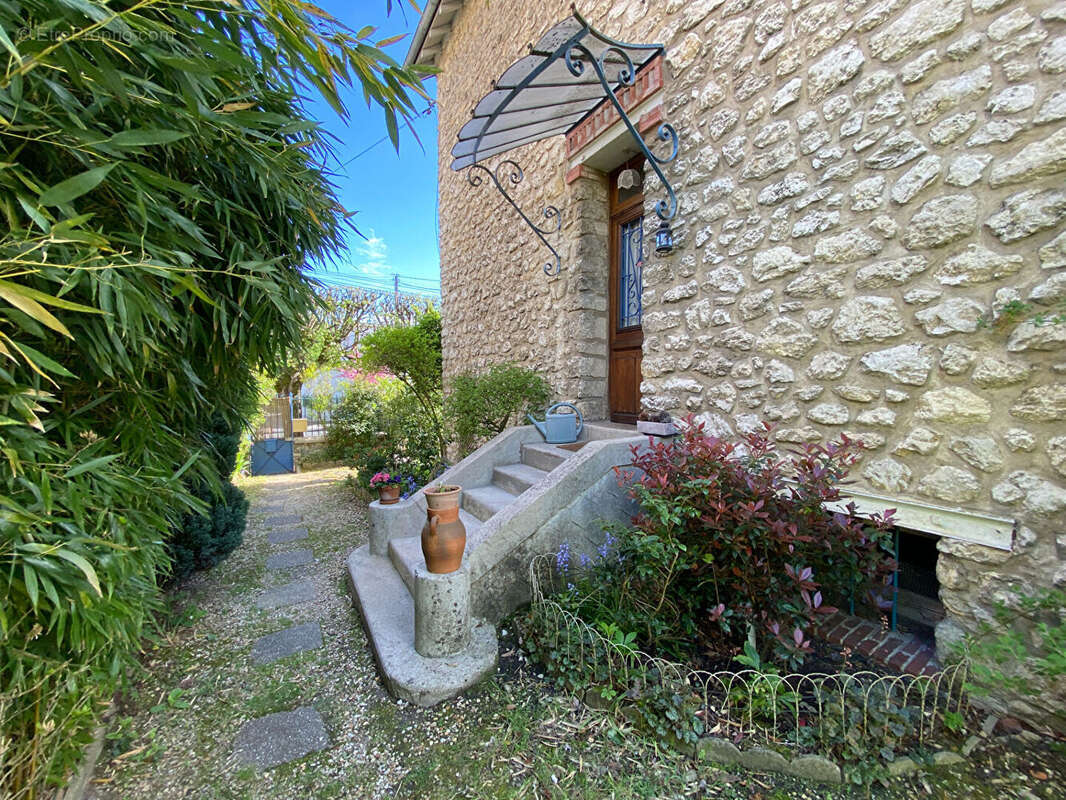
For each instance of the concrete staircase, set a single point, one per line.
(434, 635)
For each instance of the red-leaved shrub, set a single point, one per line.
(739, 534)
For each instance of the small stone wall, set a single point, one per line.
(309, 454)
(869, 192)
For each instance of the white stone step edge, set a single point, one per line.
(387, 610)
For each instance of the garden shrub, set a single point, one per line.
(204, 539)
(732, 534)
(729, 536)
(479, 406)
(380, 426)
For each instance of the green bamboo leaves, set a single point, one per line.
(161, 191)
(74, 187)
(32, 302)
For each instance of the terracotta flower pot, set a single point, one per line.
(389, 494)
(443, 535)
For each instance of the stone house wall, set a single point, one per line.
(872, 212)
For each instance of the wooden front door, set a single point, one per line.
(626, 337)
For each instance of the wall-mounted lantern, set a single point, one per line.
(664, 239)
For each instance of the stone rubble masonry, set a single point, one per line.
(865, 189)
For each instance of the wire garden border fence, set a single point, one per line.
(818, 713)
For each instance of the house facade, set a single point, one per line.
(870, 240)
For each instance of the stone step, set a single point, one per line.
(281, 644)
(289, 594)
(484, 501)
(290, 559)
(516, 478)
(544, 456)
(281, 737)
(286, 535)
(406, 552)
(388, 613)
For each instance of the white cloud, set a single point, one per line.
(374, 255)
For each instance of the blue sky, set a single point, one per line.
(394, 195)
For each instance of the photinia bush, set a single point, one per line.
(733, 534)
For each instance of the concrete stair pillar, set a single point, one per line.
(395, 520)
(442, 612)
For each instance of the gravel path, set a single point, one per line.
(174, 736)
(209, 714)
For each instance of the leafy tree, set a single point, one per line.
(412, 353)
(480, 406)
(331, 335)
(161, 194)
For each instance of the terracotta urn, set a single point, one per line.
(443, 535)
(389, 494)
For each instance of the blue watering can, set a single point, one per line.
(559, 428)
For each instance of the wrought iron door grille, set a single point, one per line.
(630, 274)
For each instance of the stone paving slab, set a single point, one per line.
(282, 737)
(286, 535)
(284, 519)
(289, 559)
(276, 646)
(301, 591)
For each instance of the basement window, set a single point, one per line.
(918, 607)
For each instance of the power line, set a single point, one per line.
(377, 286)
(435, 281)
(384, 280)
(385, 138)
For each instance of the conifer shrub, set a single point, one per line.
(205, 539)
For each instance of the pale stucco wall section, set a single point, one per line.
(863, 186)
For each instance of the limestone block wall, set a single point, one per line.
(497, 303)
(872, 222)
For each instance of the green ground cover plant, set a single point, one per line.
(1022, 649)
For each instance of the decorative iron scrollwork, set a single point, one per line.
(514, 175)
(627, 76)
(535, 99)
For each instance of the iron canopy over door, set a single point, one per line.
(570, 72)
(625, 336)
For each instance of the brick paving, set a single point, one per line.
(891, 649)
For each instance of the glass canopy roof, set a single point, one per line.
(566, 75)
